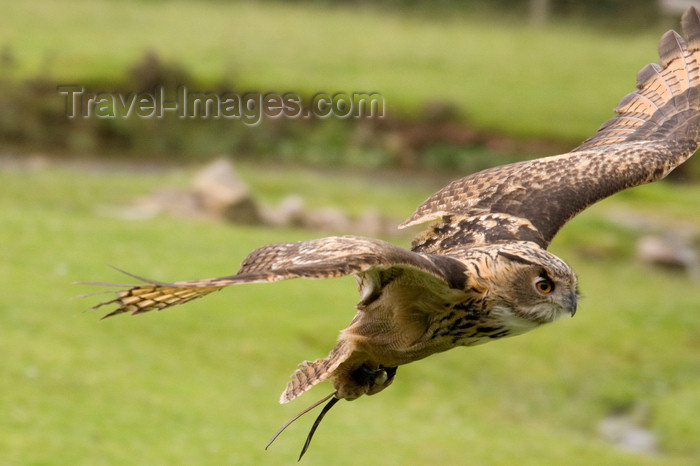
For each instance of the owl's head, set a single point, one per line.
(541, 287)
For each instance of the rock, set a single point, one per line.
(627, 434)
(289, 212)
(176, 202)
(370, 223)
(670, 251)
(222, 193)
(327, 219)
(169, 201)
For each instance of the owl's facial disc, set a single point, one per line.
(567, 299)
(542, 295)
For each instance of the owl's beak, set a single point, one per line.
(572, 303)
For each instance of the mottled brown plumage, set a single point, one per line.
(481, 272)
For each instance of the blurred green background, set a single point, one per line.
(467, 85)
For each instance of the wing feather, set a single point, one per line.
(322, 258)
(657, 128)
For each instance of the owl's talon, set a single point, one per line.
(374, 380)
(375, 376)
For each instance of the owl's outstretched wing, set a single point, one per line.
(335, 256)
(657, 128)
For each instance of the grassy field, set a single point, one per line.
(199, 384)
(560, 81)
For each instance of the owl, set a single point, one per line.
(481, 271)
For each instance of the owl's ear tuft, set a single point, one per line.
(515, 258)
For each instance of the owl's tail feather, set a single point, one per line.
(312, 372)
(666, 104)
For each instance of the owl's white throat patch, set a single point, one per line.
(516, 324)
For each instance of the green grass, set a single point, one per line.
(560, 81)
(199, 384)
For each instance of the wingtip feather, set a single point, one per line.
(671, 47)
(143, 279)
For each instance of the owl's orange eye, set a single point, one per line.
(544, 285)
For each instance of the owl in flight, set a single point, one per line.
(482, 270)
